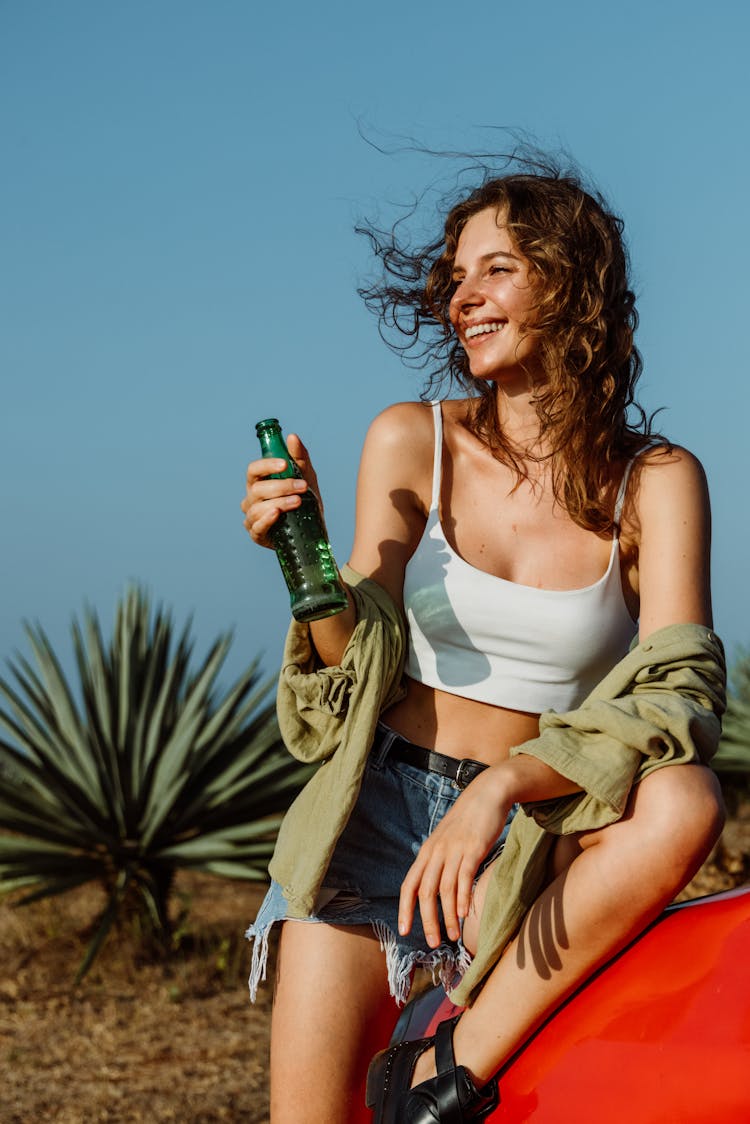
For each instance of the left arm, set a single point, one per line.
(672, 521)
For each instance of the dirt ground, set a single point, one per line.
(163, 1041)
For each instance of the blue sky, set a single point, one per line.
(179, 189)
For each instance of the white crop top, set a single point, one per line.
(493, 640)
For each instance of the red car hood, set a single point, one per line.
(661, 1035)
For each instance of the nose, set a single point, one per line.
(465, 294)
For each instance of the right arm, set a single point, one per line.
(393, 494)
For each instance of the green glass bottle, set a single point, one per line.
(300, 541)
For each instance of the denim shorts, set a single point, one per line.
(398, 806)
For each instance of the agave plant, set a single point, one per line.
(150, 768)
(732, 762)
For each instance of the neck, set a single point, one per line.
(517, 416)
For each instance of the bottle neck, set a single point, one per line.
(272, 444)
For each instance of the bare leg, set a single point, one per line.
(331, 1011)
(617, 880)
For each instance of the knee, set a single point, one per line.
(683, 810)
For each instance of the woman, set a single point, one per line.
(523, 529)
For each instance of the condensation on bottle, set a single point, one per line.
(300, 541)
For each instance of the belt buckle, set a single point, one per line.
(466, 765)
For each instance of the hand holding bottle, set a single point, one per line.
(291, 519)
(267, 498)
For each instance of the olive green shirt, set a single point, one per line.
(660, 705)
(329, 715)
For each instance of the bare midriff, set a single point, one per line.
(457, 726)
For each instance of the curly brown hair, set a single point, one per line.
(584, 323)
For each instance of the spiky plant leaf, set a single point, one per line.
(734, 749)
(147, 767)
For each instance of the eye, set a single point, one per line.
(498, 269)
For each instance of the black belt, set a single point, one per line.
(461, 772)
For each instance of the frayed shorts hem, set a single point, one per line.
(446, 963)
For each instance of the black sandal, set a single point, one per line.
(450, 1098)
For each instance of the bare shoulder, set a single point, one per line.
(668, 480)
(402, 422)
(399, 448)
(394, 487)
(674, 458)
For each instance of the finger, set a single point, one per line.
(264, 467)
(257, 503)
(428, 909)
(406, 906)
(301, 455)
(297, 448)
(264, 501)
(260, 518)
(425, 874)
(274, 489)
(409, 891)
(465, 889)
(449, 901)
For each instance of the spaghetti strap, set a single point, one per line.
(620, 501)
(622, 491)
(437, 464)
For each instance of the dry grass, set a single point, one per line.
(143, 1041)
(137, 1040)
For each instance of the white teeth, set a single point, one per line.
(481, 329)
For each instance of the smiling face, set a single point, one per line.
(493, 301)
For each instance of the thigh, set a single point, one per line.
(332, 1011)
(672, 820)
